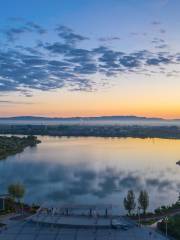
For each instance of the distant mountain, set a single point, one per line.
(99, 118)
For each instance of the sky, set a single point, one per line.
(68, 58)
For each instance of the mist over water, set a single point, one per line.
(95, 170)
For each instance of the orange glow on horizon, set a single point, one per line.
(52, 110)
(139, 100)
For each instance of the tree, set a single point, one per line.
(129, 202)
(16, 191)
(178, 201)
(143, 200)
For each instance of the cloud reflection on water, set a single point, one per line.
(67, 179)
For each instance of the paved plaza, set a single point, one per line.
(65, 223)
(25, 230)
(75, 221)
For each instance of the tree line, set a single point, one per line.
(130, 202)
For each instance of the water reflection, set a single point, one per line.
(95, 170)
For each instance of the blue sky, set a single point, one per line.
(62, 49)
(96, 18)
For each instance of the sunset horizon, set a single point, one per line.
(56, 65)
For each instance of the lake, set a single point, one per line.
(95, 170)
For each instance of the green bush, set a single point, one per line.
(173, 226)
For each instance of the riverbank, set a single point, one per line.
(12, 145)
(158, 213)
(163, 218)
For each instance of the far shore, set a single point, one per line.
(119, 131)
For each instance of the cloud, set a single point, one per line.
(35, 71)
(159, 43)
(161, 184)
(36, 27)
(63, 63)
(58, 47)
(4, 102)
(20, 70)
(13, 33)
(156, 23)
(163, 31)
(157, 40)
(68, 35)
(159, 60)
(162, 46)
(109, 39)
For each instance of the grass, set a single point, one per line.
(148, 222)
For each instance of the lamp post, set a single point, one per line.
(166, 222)
(139, 216)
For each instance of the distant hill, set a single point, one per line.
(99, 118)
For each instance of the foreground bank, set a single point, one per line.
(100, 221)
(12, 145)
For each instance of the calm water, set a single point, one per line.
(95, 170)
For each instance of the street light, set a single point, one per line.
(139, 213)
(166, 222)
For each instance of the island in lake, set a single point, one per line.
(12, 145)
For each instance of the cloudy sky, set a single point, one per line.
(90, 57)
